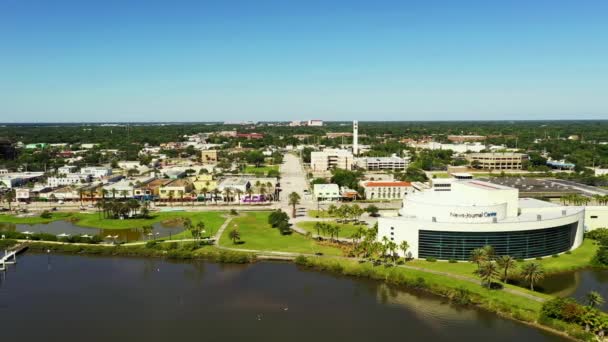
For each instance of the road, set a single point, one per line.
(293, 179)
(587, 189)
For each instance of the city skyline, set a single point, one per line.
(198, 61)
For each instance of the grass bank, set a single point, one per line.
(169, 250)
(458, 291)
(257, 234)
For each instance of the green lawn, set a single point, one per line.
(347, 230)
(257, 234)
(260, 170)
(212, 219)
(33, 219)
(580, 257)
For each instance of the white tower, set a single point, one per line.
(355, 137)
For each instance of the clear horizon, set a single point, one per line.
(70, 61)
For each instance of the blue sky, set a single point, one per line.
(150, 60)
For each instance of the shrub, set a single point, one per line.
(431, 259)
(151, 244)
(453, 261)
(539, 258)
(233, 212)
(568, 252)
(46, 214)
(555, 256)
(301, 260)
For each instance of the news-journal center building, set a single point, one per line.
(449, 220)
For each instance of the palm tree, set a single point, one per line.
(404, 246)
(113, 193)
(249, 192)
(294, 199)
(489, 251)
(201, 226)
(392, 247)
(478, 255)
(81, 193)
(171, 197)
(506, 263)
(384, 247)
(216, 192)
(204, 191)
(235, 235)
(10, 197)
(227, 194)
(263, 192)
(532, 272)
(594, 299)
(487, 272)
(239, 192)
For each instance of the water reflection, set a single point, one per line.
(259, 302)
(577, 284)
(65, 227)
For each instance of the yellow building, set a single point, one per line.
(203, 181)
(177, 189)
(209, 156)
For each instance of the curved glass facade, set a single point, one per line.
(518, 244)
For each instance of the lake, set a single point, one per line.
(76, 298)
(65, 227)
(577, 284)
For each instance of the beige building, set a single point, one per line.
(498, 160)
(175, 190)
(209, 156)
(386, 190)
(331, 159)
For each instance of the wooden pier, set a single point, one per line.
(10, 256)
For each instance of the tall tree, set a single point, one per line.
(594, 299)
(506, 263)
(532, 272)
(294, 199)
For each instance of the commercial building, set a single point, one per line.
(465, 138)
(68, 179)
(233, 184)
(449, 225)
(326, 192)
(498, 160)
(209, 156)
(386, 190)
(96, 171)
(176, 190)
(331, 159)
(596, 217)
(382, 163)
(317, 123)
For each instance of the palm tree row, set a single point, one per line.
(345, 212)
(122, 209)
(576, 199)
(490, 267)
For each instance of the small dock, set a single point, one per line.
(10, 256)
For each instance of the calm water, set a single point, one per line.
(65, 227)
(577, 284)
(71, 298)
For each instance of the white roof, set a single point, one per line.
(326, 187)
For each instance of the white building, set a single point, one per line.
(596, 217)
(393, 163)
(67, 169)
(470, 214)
(234, 183)
(96, 171)
(600, 172)
(331, 159)
(326, 192)
(386, 190)
(68, 179)
(317, 123)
